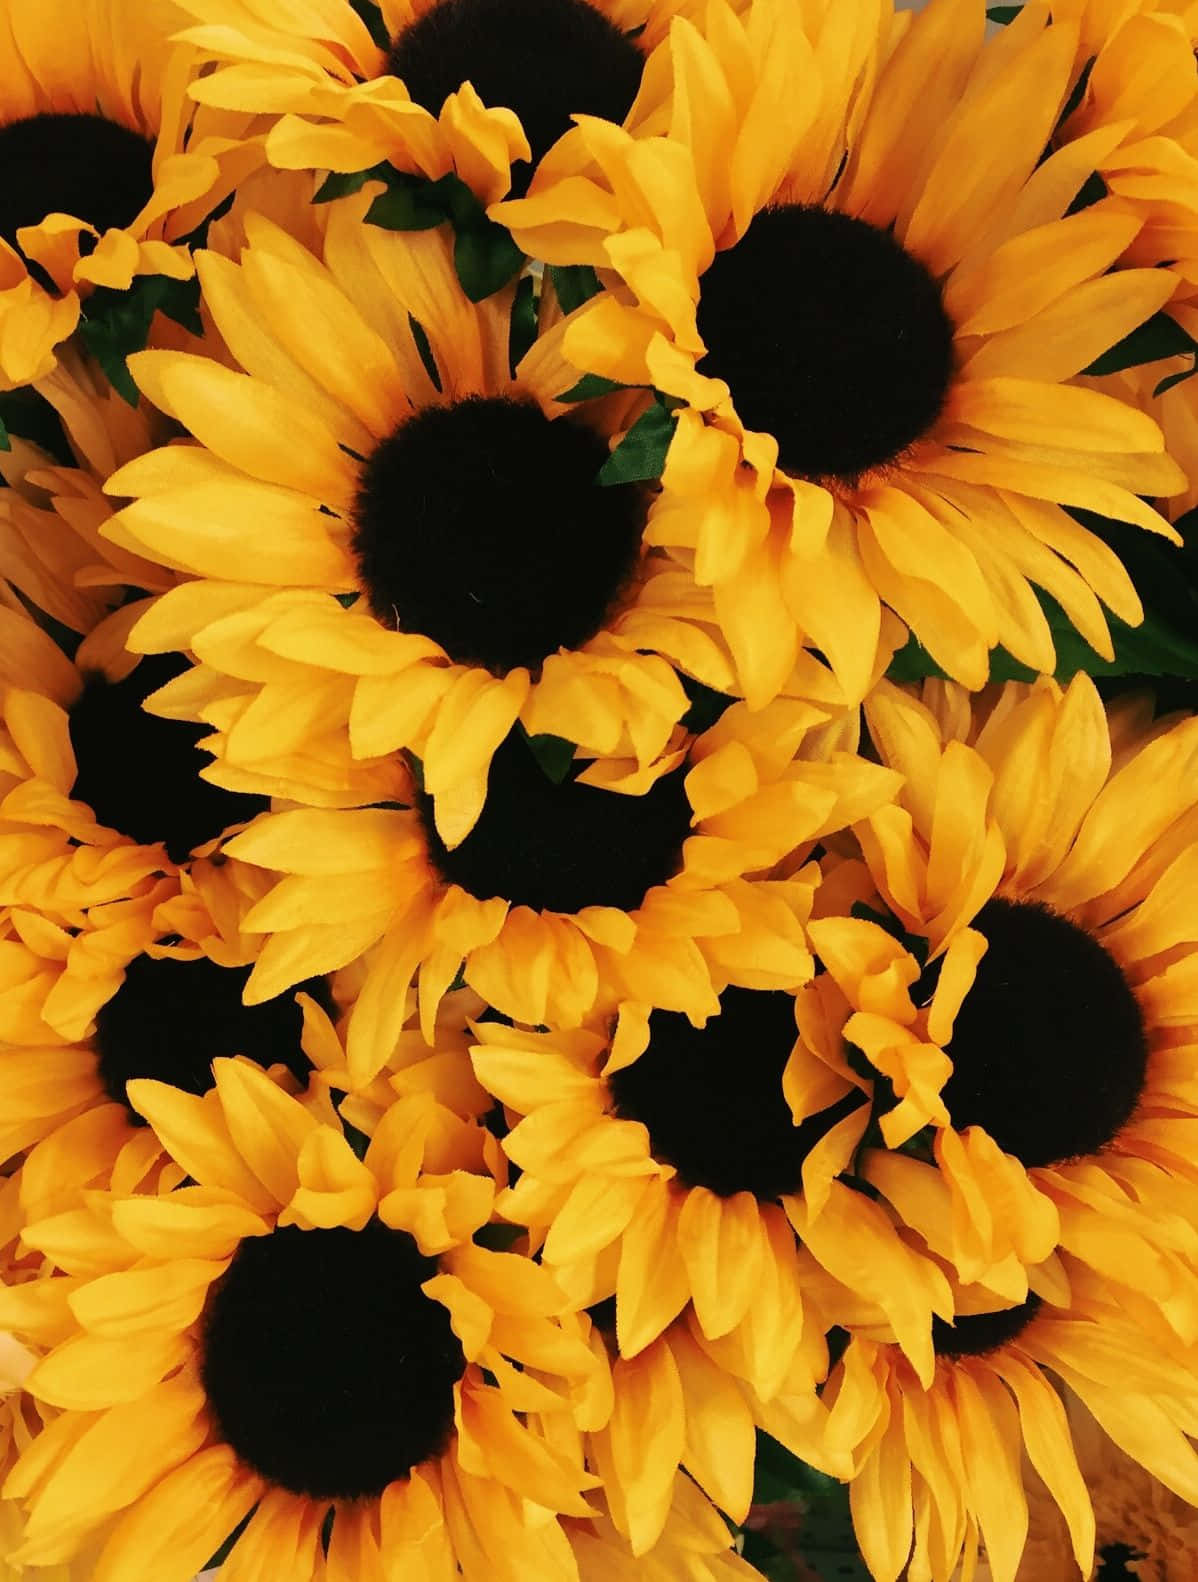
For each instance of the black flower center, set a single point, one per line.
(140, 774)
(81, 165)
(831, 337)
(481, 525)
(711, 1097)
(169, 1021)
(1048, 1049)
(561, 847)
(545, 59)
(975, 1334)
(328, 1370)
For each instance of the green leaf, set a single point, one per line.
(522, 330)
(590, 386)
(347, 600)
(1177, 379)
(554, 755)
(486, 258)
(640, 457)
(117, 323)
(574, 284)
(1160, 337)
(1002, 14)
(340, 184)
(408, 206)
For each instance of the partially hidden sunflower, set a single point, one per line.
(661, 1165)
(1028, 1038)
(567, 897)
(941, 1466)
(869, 307)
(108, 831)
(234, 1394)
(432, 87)
(109, 164)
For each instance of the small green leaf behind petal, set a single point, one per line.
(640, 457)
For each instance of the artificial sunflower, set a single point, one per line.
(108, 830)
(65, 439)
(432, 499)
(660, 1165)
(234, 1395)
(432, 87)
(1035, 1019)
(938, 1466)
(870, 306)
(167, 1020)
(108, 164)
(567, 897)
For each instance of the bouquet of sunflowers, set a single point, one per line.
(598, 792)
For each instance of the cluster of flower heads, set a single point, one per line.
(503, 1003)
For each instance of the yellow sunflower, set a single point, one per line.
(108, 163)
(305, 494)
(938, 1467)
(870, 303)
(66, 437)
(108, 832)
(431, 86)
(1039, 1012)
(662, 1165)
(197, 1357)
(567, 896)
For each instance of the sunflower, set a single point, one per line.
(661, 1163)
(1035, 1019)
(567, 896)
(108, 164)
(431, 86)
(938, 1466)
(77, 430)
(108, 832)
(868, 303)
(234, 1391)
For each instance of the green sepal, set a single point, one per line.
(485, 255)
(409, 204)
(640, 457)
(1159, 337)
(373, 18)
(117, 323)
(343, 183)
(1177, 379)
(591, 386)
(554, 755)
(347, 600)
(573, 284)
(522, 329)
